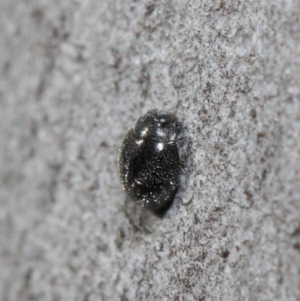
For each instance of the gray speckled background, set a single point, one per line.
(75, 75)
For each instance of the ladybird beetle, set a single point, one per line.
(149, 160)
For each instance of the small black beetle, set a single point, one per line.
(149, 161)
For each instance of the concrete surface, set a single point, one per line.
(75, 75)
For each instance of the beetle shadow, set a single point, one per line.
(160, 213)
(144, 220)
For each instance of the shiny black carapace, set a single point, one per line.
(149, 160)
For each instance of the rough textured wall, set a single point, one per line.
(75, 75)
